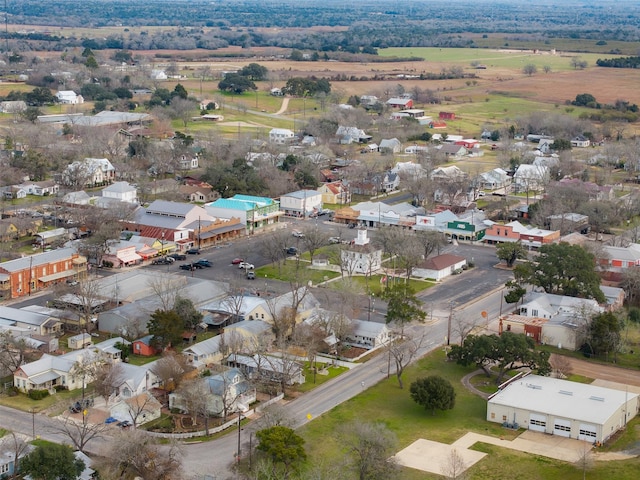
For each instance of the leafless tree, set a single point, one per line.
(463, 325)
(139, 406)
(310, 338)
(107, 377)
(88, 294)
(195, 397)
(631, 285)
(370, 445)
(14, 353)
(314, 239)
(17, 446)
(561, 365)
(79, 432)
(274, 414)
(585, 461)
(431, 241)
(280, 368)
(455, 466)
(170, 369)
(274, 247)
(167, 288)
(402, 351)
(133, 453)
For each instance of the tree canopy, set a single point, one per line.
(509, 252)
(509, 351)
(166, 328)
(604, 335)
(402, 305)
(283, 446)
(307, 87)
(254, 72)
(235, 83)
(52, 462)
(562, 269)
(433, 393)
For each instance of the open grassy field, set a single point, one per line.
(385, 402)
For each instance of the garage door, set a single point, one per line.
(537, 423)
(588, 433)
(562, 427)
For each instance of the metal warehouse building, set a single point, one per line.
(561, 407)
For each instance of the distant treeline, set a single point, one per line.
(624, 62)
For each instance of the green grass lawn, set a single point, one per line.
(22, 402)
(291, 269)
(333, 372)
(387, 403)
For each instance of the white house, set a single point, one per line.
(121, 191)
(439, 267)
(580, 141)
(301, 203)
(530, 178)
(267, 367)
(560, 407)
(158, 74)
(494, 179)
(367, 334)
(138, 410)
(361, 257)
(390, 145)
(69, 97)
(281, 136)
(348, 135)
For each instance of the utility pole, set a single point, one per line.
(449, 323)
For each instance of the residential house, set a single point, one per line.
(361, 257)
(530, 178)
(207, 352)
(301, 204)
(33, 322)
(402, 103)
(41, 189)
(593, 190)
(268, 368)
(544, 145)
(368, 335)
(138, 410)
(8, 230)
(198, 193)
(440, 267)
(468, 143)
(144, 347)
(63, 370)
(452, 150)
(563, 408)
(390, 145)
(390, 182)
(409, 170)
(189, 162)
(26, 275)
(450, 173)
(13, 191)
(564, 318)
(336, 193)
(89, 172)
(121, 191)
(368, 100)
(248, 333)
(76, 198)
(226, 393)
(281, 136)
(276, 92)
(349, 135)
(254, 212)
(69, 97)
(494, 180)
(580, 141)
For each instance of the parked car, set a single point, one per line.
(162, 261)
(204, 262)
(124, 424)
(237, 260)
(72, 283)
(193, 251)
(251, 275)
(297, 234)
(292, 251)
(334, 240)
(246, 265)
(111, 420)
(177, 256)
(191, 266)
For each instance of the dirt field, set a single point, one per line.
(604, 372)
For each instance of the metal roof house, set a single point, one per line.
(560, 407)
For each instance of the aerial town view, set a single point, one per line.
(299, 240)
